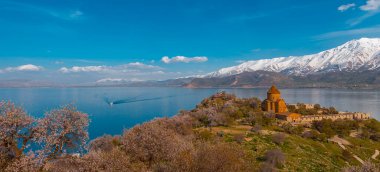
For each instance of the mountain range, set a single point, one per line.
(355, 55)
(353, 64)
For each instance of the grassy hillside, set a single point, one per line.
(222, 134)
(301, 154)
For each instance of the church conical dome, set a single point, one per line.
(273, 90)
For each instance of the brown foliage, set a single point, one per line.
(29, 162)
(115, 160)
(156, 142)
(278, 138)
(63, 130)
(275, 157)
(69, 164)
(366, 167)
(219, 157)
(239, 138)
(267, 167)
(104, 143)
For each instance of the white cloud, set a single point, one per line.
(27, 67)
(130, 67)
(76, 14)
(360, 19)
(362, 32)
(346, 7)
(371, 5)
(240, 61)
(183, 59)
(51, 12)
(141, 65)
(76, 69)
(117, 80)
(59, 62)
(110, 80)
(160, 72)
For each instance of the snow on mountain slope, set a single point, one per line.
(362, 54)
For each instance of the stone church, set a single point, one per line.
(274, 103)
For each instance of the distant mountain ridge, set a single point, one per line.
(339, 79)
(356, 55)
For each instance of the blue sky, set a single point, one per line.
(72, 41)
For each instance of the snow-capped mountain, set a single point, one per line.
(362, 54)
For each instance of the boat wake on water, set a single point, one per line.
(132, 100)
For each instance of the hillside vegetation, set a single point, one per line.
(223, 133)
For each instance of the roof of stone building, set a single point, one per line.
(273, 90)
(289, 113)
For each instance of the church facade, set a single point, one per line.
(274, 103)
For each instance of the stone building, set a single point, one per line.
(342, 115)
(274, 102)
(289, 116)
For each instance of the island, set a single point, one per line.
(222, 133)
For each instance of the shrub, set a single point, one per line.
(275, 157)
(315, 135)
(29, 162)
(114, 160)
(239, 138)
(267, 167)
(219, 157)
(346, 155)
(68, 164)
(104, 143)
(375, 137)
(278, 138)
(338, 127)
(204, 135)
(297, 130)
(155, 142)
(220, 133)
(366, 167)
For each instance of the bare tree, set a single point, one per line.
(63, 130)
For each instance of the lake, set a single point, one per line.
(166, 102)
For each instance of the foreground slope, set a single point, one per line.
(223, 133)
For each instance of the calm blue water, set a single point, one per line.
(112, 120)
